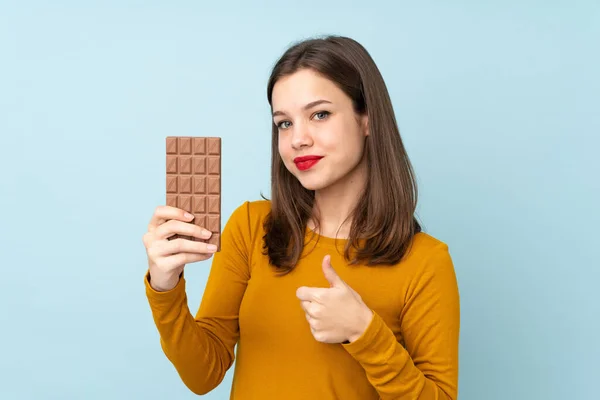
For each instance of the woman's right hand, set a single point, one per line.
(167, 258)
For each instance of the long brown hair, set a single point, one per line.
(383, 218)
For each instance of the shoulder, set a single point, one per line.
(252, 209)
(259, 208)
(424, 244)
(245, 226)
(428, 255)
(250, 214)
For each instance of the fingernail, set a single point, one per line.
(206, 234)
(188, 215)
(211, 247)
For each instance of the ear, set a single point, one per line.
(365, 124)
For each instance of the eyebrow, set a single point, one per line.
(306, 107)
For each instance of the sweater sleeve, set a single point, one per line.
(427, 367)
(201, 348)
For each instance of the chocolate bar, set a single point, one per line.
(194, 181)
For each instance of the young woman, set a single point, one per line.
(329, 290)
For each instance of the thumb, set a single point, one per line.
(332, 277)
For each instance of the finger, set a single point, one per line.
(315, 310)
(304, 304)
(165, 213)
(319, 335)
(312, 310)
(173, 227)
(315, 323)
(332, 277)
(181, 245)
(179, 259)
(308, 317)
(311, 294)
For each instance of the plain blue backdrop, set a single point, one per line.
(497, 103)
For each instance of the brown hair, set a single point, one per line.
(384, 215)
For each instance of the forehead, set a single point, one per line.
(295, 91)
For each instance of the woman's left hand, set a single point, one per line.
(336, 314)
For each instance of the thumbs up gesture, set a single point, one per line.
(336, 314)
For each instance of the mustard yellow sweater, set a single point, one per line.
(409, 351)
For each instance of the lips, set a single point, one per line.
(306, 162)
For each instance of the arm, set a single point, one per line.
(201, 348)
(427, 368)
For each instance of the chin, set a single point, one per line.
(313, 184)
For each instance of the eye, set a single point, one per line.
(279, 124)
(324, 114)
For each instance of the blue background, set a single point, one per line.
(497, 103)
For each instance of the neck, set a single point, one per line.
(334, 204)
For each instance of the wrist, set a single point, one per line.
(363, 323)
(163, 283)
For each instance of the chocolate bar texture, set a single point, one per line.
(194, 181)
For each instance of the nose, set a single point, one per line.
(301, 137)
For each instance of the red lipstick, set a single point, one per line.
(306, 162)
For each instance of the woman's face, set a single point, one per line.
(316, 119)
